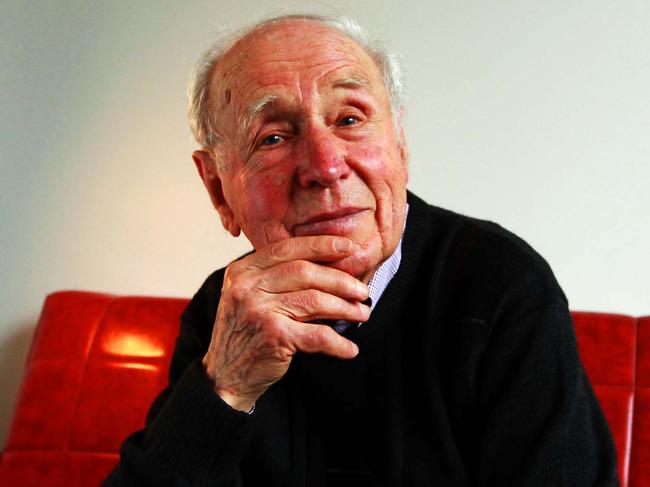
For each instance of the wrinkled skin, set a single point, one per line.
(310, 161)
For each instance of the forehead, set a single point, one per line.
(290, 55)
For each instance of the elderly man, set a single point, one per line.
(370, 339)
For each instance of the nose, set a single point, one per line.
(324, 162)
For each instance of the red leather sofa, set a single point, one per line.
(97, 361)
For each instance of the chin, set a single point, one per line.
(360, 264)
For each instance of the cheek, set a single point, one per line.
(266, 205)
(267, 193)
(380, 165)
(279, 180)
(372, 156)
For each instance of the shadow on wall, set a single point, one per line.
(13, 354)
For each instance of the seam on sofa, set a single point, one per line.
(630, 425)
(89, 347)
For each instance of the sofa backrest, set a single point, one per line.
(97, 361)
(95, 364)
(615, 351)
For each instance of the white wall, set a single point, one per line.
(533, 114)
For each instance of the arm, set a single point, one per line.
(187, 425)
(542, 423)
(197, 430)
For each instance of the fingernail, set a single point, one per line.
(342, 245)
(367, 311)
(355, 349)
(363, 289)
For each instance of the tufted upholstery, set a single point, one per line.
(97, 361)
(95, 364)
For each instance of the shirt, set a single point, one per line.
(379, 280)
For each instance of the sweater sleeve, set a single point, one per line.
(191, 436)
(542, 424)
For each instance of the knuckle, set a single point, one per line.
(228, 279)
(268, 325)
(239, 294)
(295, 306)
(343, 280)
(317, 335)
(268, 341)
(299, 269)
(256, 315)
(233, 269)
(315, 244)
(233, 277)
(272, 333)
(312, 299)
(279, 250)
(321, 244)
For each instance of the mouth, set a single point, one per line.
(340, 222)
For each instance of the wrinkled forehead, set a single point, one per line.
(284, 54)
(293, 40)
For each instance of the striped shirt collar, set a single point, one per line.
(384, 274)
(380, 279)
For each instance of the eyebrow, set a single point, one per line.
(258, 106)
(255, 109)
(351, 82)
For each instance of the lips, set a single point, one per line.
(339, 222)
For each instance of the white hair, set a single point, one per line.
(201, 109)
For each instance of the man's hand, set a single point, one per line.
(266, 302)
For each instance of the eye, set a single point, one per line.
(347, 121)
(272, 139)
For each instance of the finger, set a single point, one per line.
(316, 248)
(311, 338)
(301, 275)
(312, 304)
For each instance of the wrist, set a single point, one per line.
(228, 395)
(236, 402)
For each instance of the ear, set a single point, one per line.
(209, 174)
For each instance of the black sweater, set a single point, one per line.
(468, 374)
